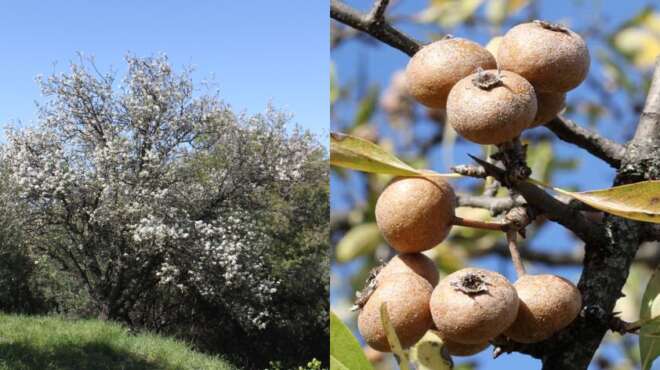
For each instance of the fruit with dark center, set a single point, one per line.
(413, 263)
(435, 68)
(415, 213)
(550, 56)
(548, 303)
(473, 305)
(407, 296)
(491, 107)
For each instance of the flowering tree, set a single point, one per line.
(144, 189)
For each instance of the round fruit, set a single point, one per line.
(413, 263)
(460, 349)
(549, 105)
(490, 107)
(415, 213)
(407, 296)
(494, 44)
(473, 305)
(548, 303)
(550, 56)
(435, 68)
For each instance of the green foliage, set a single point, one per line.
(345, 351)
(359, 240)
(52, 343)
(649, 334)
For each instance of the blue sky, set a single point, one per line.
(258, 51)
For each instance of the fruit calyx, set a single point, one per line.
(370, 285)
(486, 80)
(557, 27)
(470, 284)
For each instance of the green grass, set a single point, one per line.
(53, 343)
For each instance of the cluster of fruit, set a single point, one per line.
(490, 100)
(538, 63)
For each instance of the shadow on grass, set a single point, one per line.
(87, 356)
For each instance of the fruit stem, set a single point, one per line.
(498, 226)
(515, 255)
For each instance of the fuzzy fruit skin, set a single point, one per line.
(477, 317)
(495, 115)
(415, 213)
(553, 61)
(407, 296)
(435, 68)
(412, 263)
(549, 105)
(548, 303)
(460, 349)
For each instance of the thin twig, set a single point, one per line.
(605, 149)
(494, 204)
(498, 226)
(515, 255)
(375, 25)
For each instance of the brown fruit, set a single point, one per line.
(415, 213)
(407, 296)
(435, 68)
(460, 349)
(412, 263)
(488, 109)
(551, 57)
(473, 305)
(548, 303)
(549, 105)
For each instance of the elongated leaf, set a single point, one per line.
(649, 342)
(345, 351)
(639, 201)
(358, 154)
(449, 13)
(428, 354)
(498, 10)
(395, 344)
(367, 107)
(358, 241)
(334, 88)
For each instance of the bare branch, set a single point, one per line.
(541, 201)
(605, 149)
(374, 24)
(493, 204)
(377, 13)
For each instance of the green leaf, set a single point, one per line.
(395, 344)
(367, 107)
(498, 10)
(345, 350)
(334, 89)
(449, 13)
(358, 241)
(639, 201)
(358, 154)
(428, 354)
(649, 343)
(639, 39)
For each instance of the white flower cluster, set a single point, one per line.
(162, 175)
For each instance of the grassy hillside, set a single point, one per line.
(51, 343)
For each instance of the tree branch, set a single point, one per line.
(495, 205)
(374, 24)
(605, 149)
(541, 201)
(606, 265)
